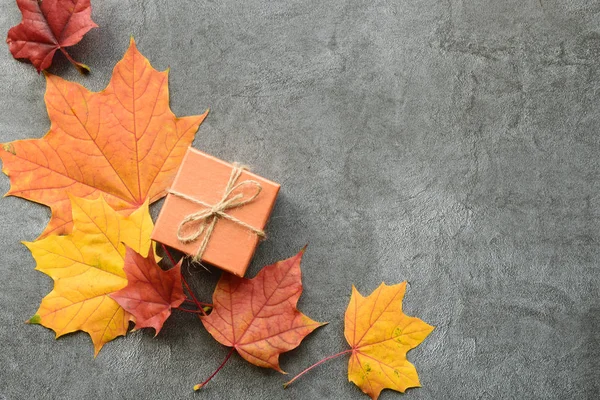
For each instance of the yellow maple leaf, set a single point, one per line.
(379, 335)
(87, 266)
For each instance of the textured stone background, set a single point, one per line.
(450, 143)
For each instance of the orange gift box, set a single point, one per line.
(215, 210)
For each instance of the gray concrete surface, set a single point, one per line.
(450, 143)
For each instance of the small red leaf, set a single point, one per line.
(150, 293)
(48, 26)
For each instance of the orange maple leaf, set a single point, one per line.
(380, 335)
(258, 317)
(123, 143)
(151, 293)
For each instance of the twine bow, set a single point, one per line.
(208, 217)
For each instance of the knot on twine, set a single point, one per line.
(208, 217)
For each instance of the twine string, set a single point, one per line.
(209, 216)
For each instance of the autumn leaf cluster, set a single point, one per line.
(106, 157)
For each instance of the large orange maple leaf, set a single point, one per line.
(123, 143)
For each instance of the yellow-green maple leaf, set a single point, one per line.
(380, 335)
(87, 266)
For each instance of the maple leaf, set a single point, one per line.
(123, 143)
(258, 317)
(380, 335)
(87, 266)
(48, 26)
(150, 293)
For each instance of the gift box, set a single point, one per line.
(215, 212)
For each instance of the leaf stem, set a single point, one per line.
(201, 385)
(189, 289)
(168, 253)
(285, 385)
(82, 68)
(201, 311)
(204, 305)
(198, 304)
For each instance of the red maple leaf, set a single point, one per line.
(48, 26)
(151, 293)
(258, 317)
